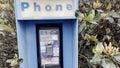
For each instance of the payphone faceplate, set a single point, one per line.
(49, 47)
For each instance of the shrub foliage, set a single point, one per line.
(99, 24)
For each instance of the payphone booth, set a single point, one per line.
(47, 33)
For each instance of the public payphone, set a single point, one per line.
(47, 33)
(49, 39)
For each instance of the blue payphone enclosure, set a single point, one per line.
(26, 30)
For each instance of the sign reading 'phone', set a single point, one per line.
(46, 8)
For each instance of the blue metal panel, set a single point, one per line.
(22, 48)
(68, 45)
(76, 4)
(31, 45)
(75, 44)
(17, 11)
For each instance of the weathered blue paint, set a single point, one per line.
(26, 35)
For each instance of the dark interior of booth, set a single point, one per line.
(49, 50)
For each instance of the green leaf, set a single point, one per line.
(108, 30)
(100, 10)
(114, 14)
(117, 57)
(110, 19)
(82, 26)
(1, 27)
(109, 6)
(107, 60)
(107, 64)
(9, 60)
(90, 11)
(97, 17)
(20, 61)
(93, 22)
(90, 17)
(96, 59)
(76, 13)
(8, 28)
